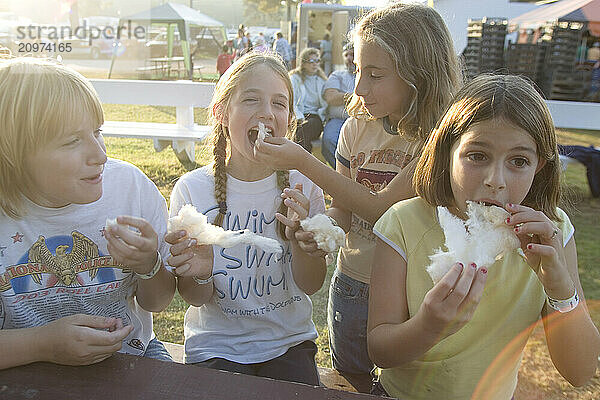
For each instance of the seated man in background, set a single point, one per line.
(337, 90)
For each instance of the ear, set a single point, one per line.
(541, 164)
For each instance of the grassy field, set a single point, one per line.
(538, 380)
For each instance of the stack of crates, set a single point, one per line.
(485, 46)
(560, 79)
(525, 59)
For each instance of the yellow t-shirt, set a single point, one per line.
(374, 157)
(482, 359)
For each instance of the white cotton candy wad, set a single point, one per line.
(329, 237)
(262, 131)
(482, 239)
(197, 226)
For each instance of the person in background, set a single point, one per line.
(336, 92)
(308, 80)
(260, 45)
(224, 60)
(325, 47)
(593, 53)
(282, 47)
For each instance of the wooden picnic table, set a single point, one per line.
(163, 64)
(125, 376)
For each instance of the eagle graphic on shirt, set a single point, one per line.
(62, 265)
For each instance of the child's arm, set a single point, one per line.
(281, 153)
(309, 271)
(394, 338)
(193, 267)
(139, 251)
(573, 340)
(73, 340)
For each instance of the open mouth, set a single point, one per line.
(260, 131)
(487, 203)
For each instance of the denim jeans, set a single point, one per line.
(331, 134)
(157, 351)
(347, 312)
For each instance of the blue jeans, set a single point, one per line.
(331, 133)
(157, 351)
(347, 313)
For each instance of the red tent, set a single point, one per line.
(564, 10)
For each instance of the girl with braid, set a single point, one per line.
(250, 311)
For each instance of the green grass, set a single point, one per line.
(164, 169)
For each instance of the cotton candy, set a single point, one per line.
(482, 239)
(197, 226)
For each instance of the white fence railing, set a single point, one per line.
(185, 95)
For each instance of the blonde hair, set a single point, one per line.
(304, 57)
(417, 40)
(506, 98)
(38, 99)
(239, 71)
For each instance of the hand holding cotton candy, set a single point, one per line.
(197, 226)
(329, 237)
(482, 239)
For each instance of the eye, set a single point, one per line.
(249, 100)
(281, 104)
(374, 76)
(476, 157)
(71, 141)
(520, 162)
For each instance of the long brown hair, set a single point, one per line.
(504, 97)
(239, 71)
(417, 40)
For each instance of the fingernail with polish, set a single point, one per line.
(193, 242)
(483, 270)
(508, 220)
(529, 246)
(517, 230)
(473, 265)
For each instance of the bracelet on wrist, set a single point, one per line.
(201, 281)
(563, 306)
(154, 270)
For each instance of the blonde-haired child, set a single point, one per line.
(71, 290)
(406, 74)
(250, 311)
(463, 337)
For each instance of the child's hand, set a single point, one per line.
(188, 258)
(307, 243)
(279, 153)
(82, 339)
(450, 304)
(136, 250)
(298, 206)
(542, 243)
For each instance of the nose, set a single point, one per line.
(495, 178)
(361, 88)
(266, 111)
(96, 150)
